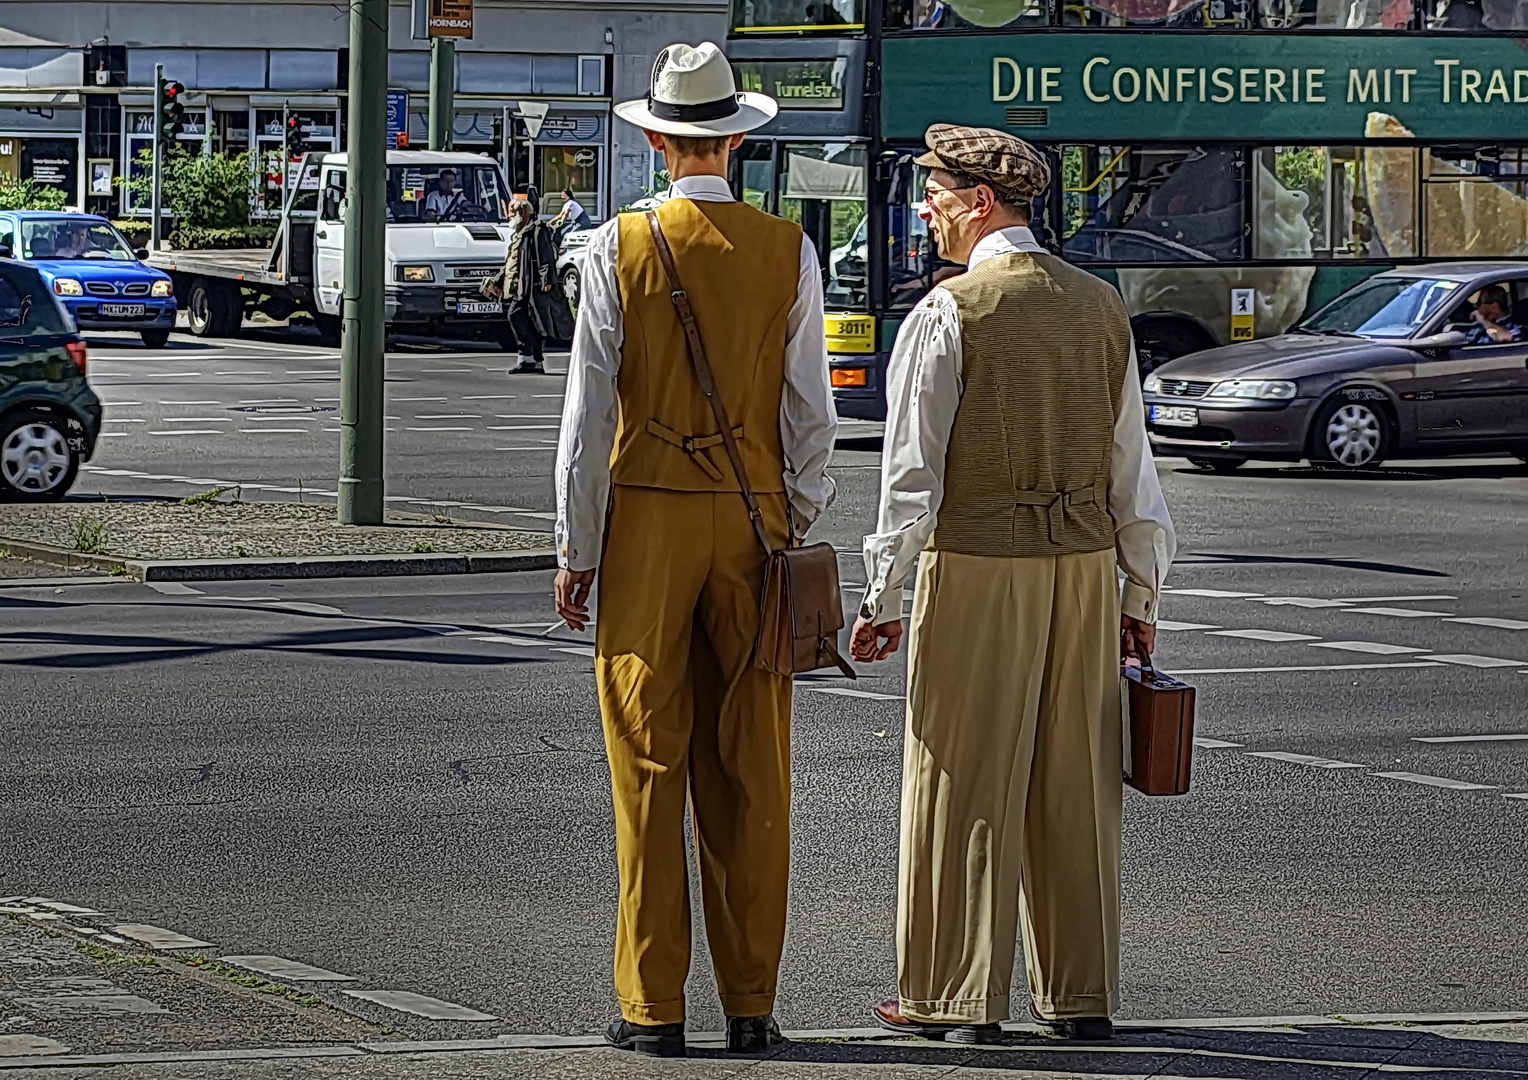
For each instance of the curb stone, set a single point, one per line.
(305, 566)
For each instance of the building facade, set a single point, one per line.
(77, 87)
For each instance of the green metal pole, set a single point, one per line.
(442, 92)
(363, 313)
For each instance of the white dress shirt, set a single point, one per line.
(808, 421)
(923, 389)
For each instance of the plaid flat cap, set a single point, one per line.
(1015, 169)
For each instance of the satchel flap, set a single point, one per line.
(816, 605)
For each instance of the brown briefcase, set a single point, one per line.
(1158, 730)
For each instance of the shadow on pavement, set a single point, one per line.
(1291, 560)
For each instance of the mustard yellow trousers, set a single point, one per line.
(1011, 787)
(686, 713)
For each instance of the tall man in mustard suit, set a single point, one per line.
(646, 495)
(1017, 482)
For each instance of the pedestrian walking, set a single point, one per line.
(1017, 475)
(687, 714)
(533, 299)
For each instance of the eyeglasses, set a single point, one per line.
(930, 190)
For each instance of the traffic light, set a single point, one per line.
(295, 144)
(171, 110)
(498, 130)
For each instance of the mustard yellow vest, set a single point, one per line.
(740, 268)
(1045, 349)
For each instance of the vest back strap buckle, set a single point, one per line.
(1057, 503)
(695, 446)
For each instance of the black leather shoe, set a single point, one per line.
(888, 1014)
(753, 1034)
(655, 1040)
(1081, 1028)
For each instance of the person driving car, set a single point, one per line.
(71, 242)
(445, 199)
(1494, 325)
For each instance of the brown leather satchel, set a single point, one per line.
(1159, 730)
(801, 609)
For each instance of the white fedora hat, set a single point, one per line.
(693, 93)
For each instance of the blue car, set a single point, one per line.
(94, 272)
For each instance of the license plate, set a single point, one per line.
(1174, 416)
(480, 307)
(124, 311)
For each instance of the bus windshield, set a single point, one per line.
(765, 16)
(822, 188)
(1383, 307)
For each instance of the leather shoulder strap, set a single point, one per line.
(697, 352)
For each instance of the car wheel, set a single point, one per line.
(155, 339)
(37, 464)
(214, 308)
(570, 285)
(1350, 435)
(1218, 464)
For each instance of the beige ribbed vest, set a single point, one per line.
(740, 268)
(1045, 348)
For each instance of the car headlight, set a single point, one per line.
(1152, 384)
(160, 288)
(68, 286)
(415, 273)
(1261, 390)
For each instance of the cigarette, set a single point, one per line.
(556, 625)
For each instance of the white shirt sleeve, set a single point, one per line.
(923, 389)
(808, 419)
(589, 411)
(1144, 541)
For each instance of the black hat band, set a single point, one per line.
(705, 110)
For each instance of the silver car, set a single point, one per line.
(1397, 366)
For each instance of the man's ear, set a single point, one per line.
(654, 140)
(737, 140)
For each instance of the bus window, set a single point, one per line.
(1143, 204)
(1313, 202)
(764, 16)
(1476, 15)
(752, 174)
(822, 188)
(964, 14)
(1334, 14)
(1475, 201)
(1161, 14)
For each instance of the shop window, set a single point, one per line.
(1146, 204)
(489, 73)
(591, 76)
(1475, 201)
(46, 66)
(303, 69)
(411, 70)
(572, 167)
(554, 75)
(1506, 15)
(964, 14)
(1334, 14)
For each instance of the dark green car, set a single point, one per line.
(49, 416)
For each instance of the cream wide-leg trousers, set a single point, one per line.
(1011, 787)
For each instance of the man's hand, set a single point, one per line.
(492, 290)
(1136, 639)
(865, 643)
(571, 590)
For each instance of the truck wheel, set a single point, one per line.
(329, 327)
(214, 308)
(37, 464)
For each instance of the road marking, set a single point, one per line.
(577, 650)
(1400, 613)
(439, 429)
(544, 515)
(172, 374)
(1398, 599)
(1316, 667)
(557, 396)
(1436, 781)
(190, 403)
(194, 420)
(1499, 624)
(195, 431)
(1167, 624)
(1302, 602)
(114, 434)
(1468, 738)
(241, 372)
(267, 401)
(320, 371)
(418, 1004)
(172, 588)
(1516, 795)
(279, 967)
(1471, 660)
(551, 449)
(844, 691)
(1214, 744)
(274, 431)
(1216, 594)
(1264, 635)
(523, 427)
(120, 403)
(126, 420)
(1377, 647)
(449, 416)
(1305, 759)
(526, 416)
(417, 399)
(157, 937)
(488, 397)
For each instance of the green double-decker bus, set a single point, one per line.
(1261, 154)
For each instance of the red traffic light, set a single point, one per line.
(173, 90)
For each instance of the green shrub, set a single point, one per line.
(194, 238)
(29, 195)
(204, 191)
(135, 229)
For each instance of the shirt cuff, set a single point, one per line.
(1138, 602)
(572, 555)
(883, 607)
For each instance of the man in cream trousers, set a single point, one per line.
(1017, 476)
(687, 715)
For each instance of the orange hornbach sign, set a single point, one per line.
(450, 18)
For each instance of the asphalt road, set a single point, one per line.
(398, 780)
